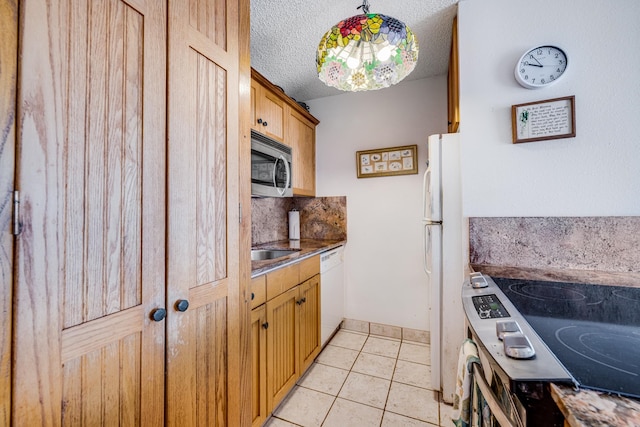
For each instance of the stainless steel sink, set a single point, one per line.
(262, 254)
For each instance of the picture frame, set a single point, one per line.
(543, 120)
(401, 160)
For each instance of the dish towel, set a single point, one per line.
(464, 381)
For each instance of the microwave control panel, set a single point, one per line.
(489, 307)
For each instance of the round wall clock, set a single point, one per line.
(541, 66)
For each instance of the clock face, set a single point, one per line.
(541, 66)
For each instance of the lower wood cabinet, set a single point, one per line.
(309, 321)
(259, 365)
(285, 334)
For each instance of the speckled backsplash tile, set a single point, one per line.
(322, 218)
(582, 244)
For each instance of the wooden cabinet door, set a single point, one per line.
(309, 321)
(90, 257)
(268, 115)
(283, 362)
(301, 135)
(259, 365)
(203, 342)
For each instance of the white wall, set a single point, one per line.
(385, 280)
(597, 173)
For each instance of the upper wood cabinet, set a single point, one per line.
(453, 86)
(292, 125)
(267, 112)
(301, 134)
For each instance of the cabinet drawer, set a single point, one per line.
(309, 267)
(258, 290)
(282, 280)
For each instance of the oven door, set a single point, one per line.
(491, 407)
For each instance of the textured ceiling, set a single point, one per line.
(285, 35)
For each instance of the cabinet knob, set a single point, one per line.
(264, 123)
(253, 296)
(158, 314)
(304, 299)
(182, 305)
(259, 121)
(265, 325)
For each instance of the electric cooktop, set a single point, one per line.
(593, 330)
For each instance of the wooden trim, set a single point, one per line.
(292, 103)
(453, 82)
(244, 237)
(90, 336)
(8, 87)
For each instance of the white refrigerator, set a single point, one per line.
(444, 258)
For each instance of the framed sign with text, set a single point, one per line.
(543, 120)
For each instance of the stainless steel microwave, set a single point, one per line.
(271, 168)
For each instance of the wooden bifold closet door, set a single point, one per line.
(203, 218)
(90, 257)
(128, 306)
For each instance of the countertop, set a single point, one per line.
(588, 408)
(581, 407)
(306, 247)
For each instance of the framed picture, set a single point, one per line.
(387, 161)
(542, 120)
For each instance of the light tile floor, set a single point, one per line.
(362, 380)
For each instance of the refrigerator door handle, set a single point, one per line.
(426, 202)
(427, 257)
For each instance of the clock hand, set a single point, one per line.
(536, 59)
(534, 65)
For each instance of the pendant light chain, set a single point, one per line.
(364, 7)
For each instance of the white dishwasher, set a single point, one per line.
(331, 291)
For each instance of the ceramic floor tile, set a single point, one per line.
(382, 347)
(352, 340)
(366, 389)
(413, 402)
(412, 374)
(385, 330)
(390, 419)
(446, 414)
(417, 353)
(355, 325)
(377, 366)
(337, 357)
(345, 413)
(324, 378)
(276, 422)
(305, 407)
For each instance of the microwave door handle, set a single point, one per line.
(288, 173)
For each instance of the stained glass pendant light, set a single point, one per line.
(366, 52)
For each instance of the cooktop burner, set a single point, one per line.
(592, 329)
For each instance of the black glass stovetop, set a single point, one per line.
(594, 330)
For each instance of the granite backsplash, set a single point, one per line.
(321, 218)
(582, 249)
